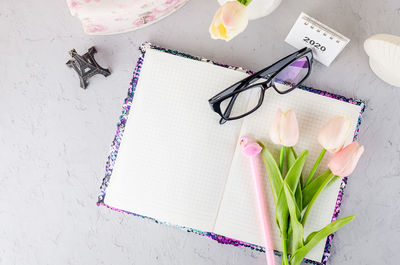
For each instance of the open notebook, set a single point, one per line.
(178, 165)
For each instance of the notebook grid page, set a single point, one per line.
(174, 158)
(238, 217)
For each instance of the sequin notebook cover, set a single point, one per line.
(221, 239)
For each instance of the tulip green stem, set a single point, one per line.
(281, 158)
(315, 167)
(244, 2)
(284, 252)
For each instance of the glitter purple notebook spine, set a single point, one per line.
(126, 108)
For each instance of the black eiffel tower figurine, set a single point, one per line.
(86, 66)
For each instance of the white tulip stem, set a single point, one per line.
(315, 167)
(281, 158)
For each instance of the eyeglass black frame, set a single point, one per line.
(267, 73)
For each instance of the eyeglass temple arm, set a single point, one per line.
(233, 88)
(267, 72)
(264, 73)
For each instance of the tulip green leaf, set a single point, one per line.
(315, 167)
(294, 173)
(273, 173)
(282, 215)
(293, 177)
(276, 182)
(314, 238)
(291, 182)
(298, 196)
(293, 202)
(333, 180)
(315, 196)
(311, 189)
(291, 158)
(297, 228)
(309, 237)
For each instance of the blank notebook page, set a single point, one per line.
(174, 159)
(238, 216)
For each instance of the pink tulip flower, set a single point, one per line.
(230, 20)
(345, 161)
(334, 133)
(284, 129)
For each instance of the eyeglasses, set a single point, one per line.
(247, 95)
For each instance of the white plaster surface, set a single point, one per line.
(55, 136)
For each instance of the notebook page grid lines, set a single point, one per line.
(242, 222)
(120, 131)
(184, 190)
(250, 98)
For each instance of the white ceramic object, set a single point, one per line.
(103, 17)
(384, 57)
(259, 8)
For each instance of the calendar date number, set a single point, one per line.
(315, 44)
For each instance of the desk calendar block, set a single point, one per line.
(325, 42)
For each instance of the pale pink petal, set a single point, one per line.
(345, 161)
(274, 130)
(333, 135)
(289, 129)
(230, 20)
(232, 12)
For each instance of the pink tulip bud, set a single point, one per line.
(284, 129)
(345, 161)
(334, 133)
(230, 20)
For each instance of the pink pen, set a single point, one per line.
(252, 149)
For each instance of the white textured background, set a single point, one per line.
(55, 136)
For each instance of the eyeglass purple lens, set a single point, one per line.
(291, 75)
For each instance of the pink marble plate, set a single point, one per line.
(103, 17)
